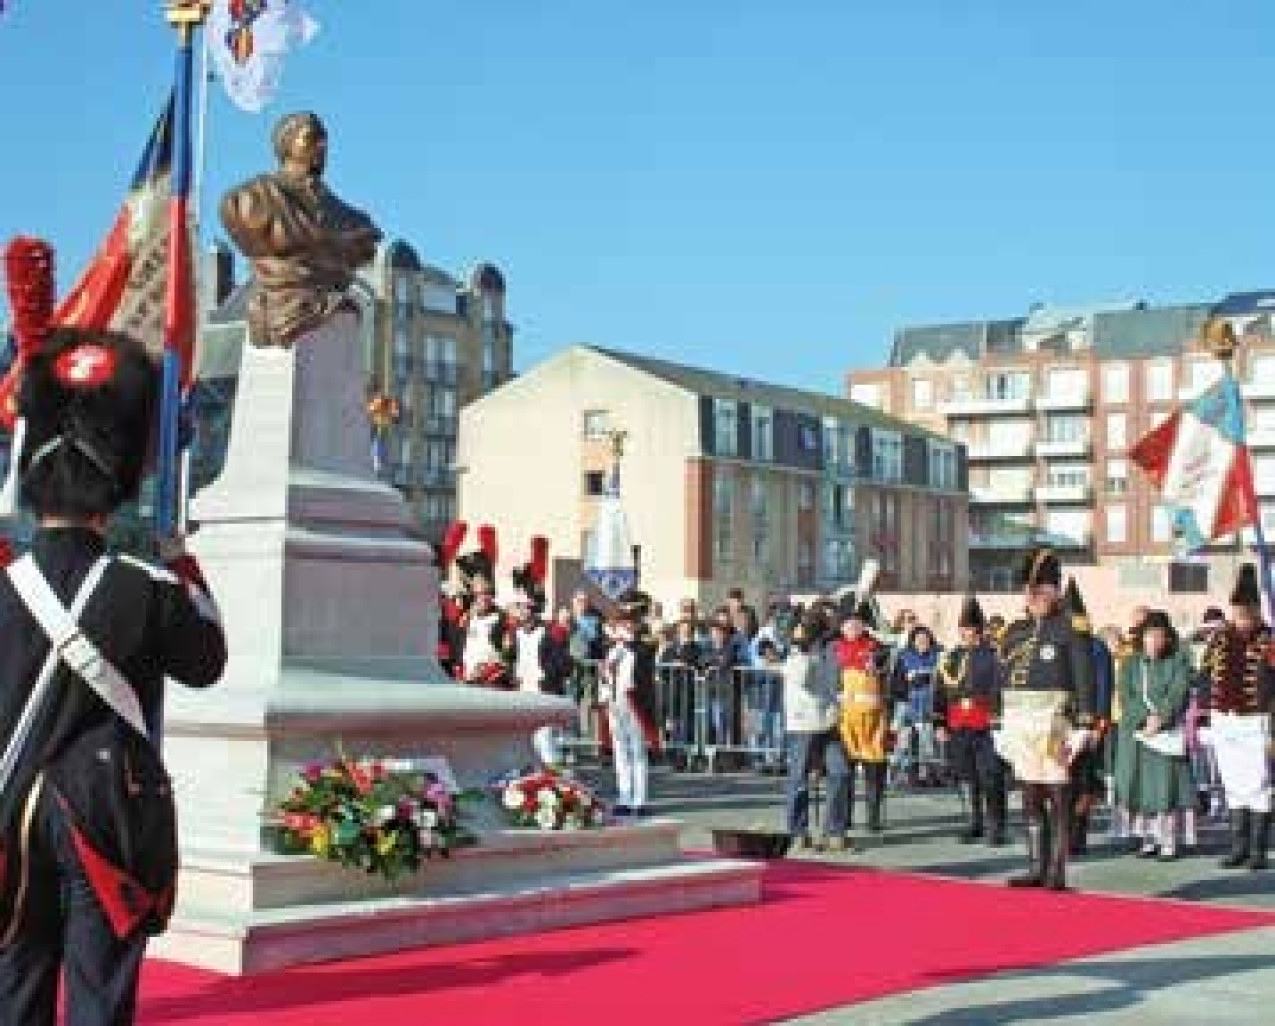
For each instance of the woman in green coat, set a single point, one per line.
(1154, 692)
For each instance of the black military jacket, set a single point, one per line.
(1049, 655)
(967, 672)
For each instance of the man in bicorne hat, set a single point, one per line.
(1048, 696)
(1238, 662)
(966, 705)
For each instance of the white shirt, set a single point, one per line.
(479, 649)
(617, 675)
(527, 668)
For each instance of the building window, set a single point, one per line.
(1067, 383)
(805, 496)
(763, 434)
(1263, 370)
(1189, 578)
(1117, 437)
(595, 483)
(887, 456)
(1065, 428)
(1161, 526)
(866, 394)
(922, 394)
(1159, 381)
(1009, 437)
(723, 519)
(1008, 385)
(437, 297)
(808, 437)
(1117, 477)
(1071, 525)
(726, 427)
(942, 468)
(596, 423)
(839, 507)
(805, 563)
(442, 402)
(761, 524)
(1204, 374)
(1118, 524)
(1068, 475)
(1115, 383)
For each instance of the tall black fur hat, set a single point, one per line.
(87, 403)
(1246, 592)
(971, 615)
(1041, 567)
(1075, 606)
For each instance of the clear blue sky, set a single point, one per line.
(763, 186)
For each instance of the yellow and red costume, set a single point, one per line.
(864, 717)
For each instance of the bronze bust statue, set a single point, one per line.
(303, 242)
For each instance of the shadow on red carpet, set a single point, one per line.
(823, 937)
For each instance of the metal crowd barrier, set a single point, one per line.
(701, 715)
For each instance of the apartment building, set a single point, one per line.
(430, 340)
(725, 481)
(1049, 405)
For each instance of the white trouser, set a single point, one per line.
(629, 748)
(1240, 744)
(546, 742)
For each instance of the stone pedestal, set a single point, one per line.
(330, 606)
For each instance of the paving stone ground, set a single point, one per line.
(1226, 979)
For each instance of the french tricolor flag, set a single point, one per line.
(1199, 461)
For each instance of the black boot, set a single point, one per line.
(853, 773)
(997, 813)
(1240, 839)
(876, 795)
(1037, 838)
(975, 829)
(1079, 834)
(1036, 842)
(1261, 836)
(1062, 834)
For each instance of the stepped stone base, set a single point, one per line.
(281, 911)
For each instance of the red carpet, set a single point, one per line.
(824, 937)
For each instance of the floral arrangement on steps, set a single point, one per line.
(383, 817)
(548, 800)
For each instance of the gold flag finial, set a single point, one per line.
(1219, 337)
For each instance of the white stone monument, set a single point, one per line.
(330, 607)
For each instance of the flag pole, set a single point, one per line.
(185, 16)
(1222, 342)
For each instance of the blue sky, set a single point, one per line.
(757, 186)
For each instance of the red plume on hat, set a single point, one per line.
(539, 565)
(28, 270)
(453, 539)
(487, 542)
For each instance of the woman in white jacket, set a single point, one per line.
(810, 722)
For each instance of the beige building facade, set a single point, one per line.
(725, 482)
(1049, 407)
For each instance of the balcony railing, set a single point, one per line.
(1000, 542)
(999, 453)
(1262, 438)
(1063, 447)
(1260, 389)
(1064, 494)
(985, 406)
(1077, 400)
(983, 496)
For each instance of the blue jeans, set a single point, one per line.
(807, 752)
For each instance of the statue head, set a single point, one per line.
(301, 144)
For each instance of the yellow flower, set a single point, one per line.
(386, 844)
(321, 841)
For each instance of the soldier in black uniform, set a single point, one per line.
(1048, 695)
(967, 703)
(1087, 785)
(88, 844)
